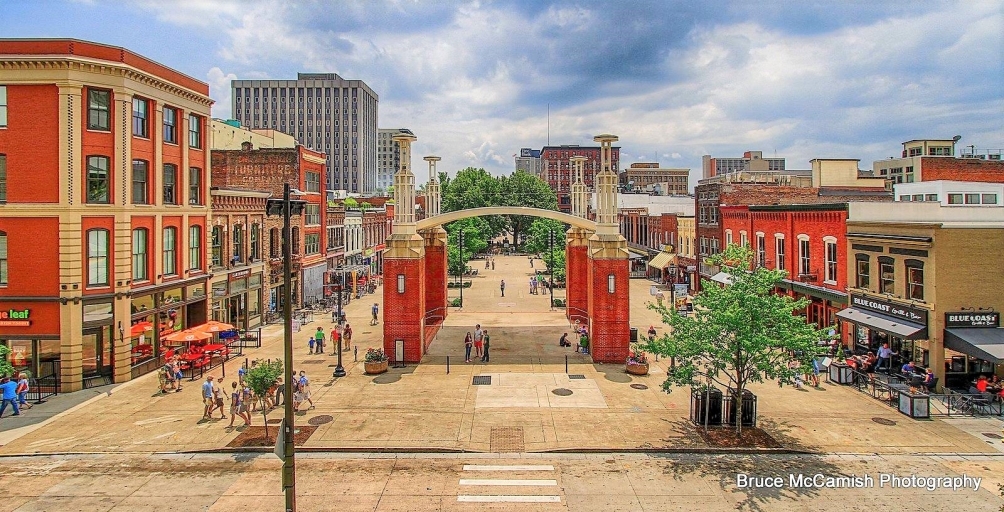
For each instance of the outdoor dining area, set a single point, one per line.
(198, 348)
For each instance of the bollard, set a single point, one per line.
(223, 366)
(566, 363)
(447, 365)
(355, 354)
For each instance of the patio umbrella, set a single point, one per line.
(213, 326)
(140, 328)
(188, 336)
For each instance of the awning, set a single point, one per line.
(813, 290)
(722, 277)
(662, 260)
(894, 326)
(986, 344)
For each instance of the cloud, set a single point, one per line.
(219, 90)
(474, 80)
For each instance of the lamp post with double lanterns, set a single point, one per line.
(339, 369)
(287, 207)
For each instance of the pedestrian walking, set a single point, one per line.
(487, 262)
(651, 333)
(305, 389)
(533, 286)
(334, 316)
(168, 373)
(348, 337)
(310, 343)
(9, 389)
(218, 400)
(531, 261)
(502, 286)
(468, 344)
(319, 335)
(280, 392)
(207, 397)
(486, 341)
(376, 311)
(493, 263)
(885, 358)
(237, 407)
(336, 336)
(176, 366)
(22, 391)
(478, 340)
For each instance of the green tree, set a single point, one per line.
(556, 263)
(741, 333)
(5, 367)
(476, 188)
(524, 189)
(476, 231)
(260, 378)
(537, 235)
(390, 191)
(350, 202)
(365, 205)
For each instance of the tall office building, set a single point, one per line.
(529, 161)
(750, 161)
(388, 157)
(325, 113)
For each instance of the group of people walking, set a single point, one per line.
(316, 342)
(480, 342)
(243, 401)
(15, 393)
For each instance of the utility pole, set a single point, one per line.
(463, 267)
(550, 242)
(339, 369)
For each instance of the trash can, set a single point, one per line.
(634, 335)
(747, 415)
(706, 403)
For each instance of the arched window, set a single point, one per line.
(140, 254)
(97, 257)
(217, 246)
(170, 243)
(195, 247)
(3, 258)
(274, 243)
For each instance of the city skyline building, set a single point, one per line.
(325, 113)
(750, 161)
(388, 157)
(557, 170)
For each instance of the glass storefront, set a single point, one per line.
(238, 301)
(33, 355)
(157, 315)
(98, 339)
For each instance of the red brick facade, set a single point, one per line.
(961, 169)
(404, 312)
(558, 174)
(609, 313)
(577, 279)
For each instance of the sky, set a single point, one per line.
(475, 80)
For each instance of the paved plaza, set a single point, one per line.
(532, 408)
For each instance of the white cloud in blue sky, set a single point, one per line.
(674, 80)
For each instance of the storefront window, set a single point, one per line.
(220, 289)
(238, 285)
(171, 320)
(254, 281)
(172, 296)
(142, 303)
(254, 303)
(98, 312)
(196, 291)
(21, 355)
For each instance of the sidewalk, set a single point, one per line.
(531, 404)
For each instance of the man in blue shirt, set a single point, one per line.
(908, 368)
(376, 311)
(884, 358)
(9, 389)
(207, 397)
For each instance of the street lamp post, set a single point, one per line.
(550, 242)
(339, 369)
(463, 267)
(287, 208)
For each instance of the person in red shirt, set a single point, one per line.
(981, 384)
(335, 336)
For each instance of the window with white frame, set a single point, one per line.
(170, 251)
(779, 262)
(830, 252)
(728, 237)
(97, 257)
(761, 250)
(743, 240)
(140, 255)
(804, 255)
(195, 247)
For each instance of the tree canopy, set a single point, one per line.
(350, 202)
(5, 367)
(537, 235)
(260, 378)
(476, 231)
(476, 188)
(740, 333)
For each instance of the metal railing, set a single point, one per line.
(953, 403)
(46, 384)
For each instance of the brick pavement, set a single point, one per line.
(423, 407)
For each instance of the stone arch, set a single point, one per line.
(438, 220)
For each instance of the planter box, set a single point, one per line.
(373, 368)
(637, 369)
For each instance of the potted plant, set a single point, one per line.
(637, 363)
(375, 362)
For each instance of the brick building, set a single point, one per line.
(767, 188)
(647, 235)
(104, 201)
(750, 161)
(923, 279)
(806, 240)
(267, 170)
(557, 171)
(238, 229)
(649, 177)
(935, 159)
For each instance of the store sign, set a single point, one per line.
(972, 319)
(240, 274)
(15, 318)
(910, 314)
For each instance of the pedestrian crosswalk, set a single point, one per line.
(480, 489)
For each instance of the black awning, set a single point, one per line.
(986, 344)
(894, 326)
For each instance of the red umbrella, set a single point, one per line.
(140, 328)
(213, 326)
(188, 336)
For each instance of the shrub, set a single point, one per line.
(456, 303)
(375, 355)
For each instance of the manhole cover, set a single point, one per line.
(576, 377)
(320, 420)
(639, 386)
(482, 380)
(562, 392)
(884, 421)
(991, 435)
